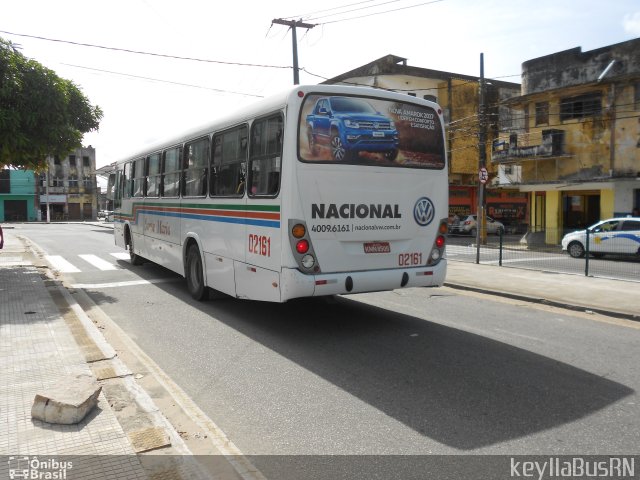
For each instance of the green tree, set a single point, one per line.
(40, 113)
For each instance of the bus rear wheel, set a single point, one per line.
(194, 274)
(134, 258)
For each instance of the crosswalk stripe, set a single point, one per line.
(131, 283)
(60, 264)
(120, 255)
(98, 262)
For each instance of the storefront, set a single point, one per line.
(508, 206)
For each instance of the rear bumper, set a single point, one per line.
(294, 284)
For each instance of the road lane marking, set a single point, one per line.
(60, 264)
(131, 283)
(98, 262)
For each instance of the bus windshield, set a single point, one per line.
(370, 131)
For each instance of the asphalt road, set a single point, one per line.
(415, 371)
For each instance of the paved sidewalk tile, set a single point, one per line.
(36, 349)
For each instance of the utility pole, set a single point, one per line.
(47, 192)
(481, 234)
(293, 24)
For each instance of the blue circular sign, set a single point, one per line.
(424, 211)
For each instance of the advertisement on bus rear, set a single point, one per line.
(365, 131)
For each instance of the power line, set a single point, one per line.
(306, 16)
(139, 52)
(381, 13)
(354, 9)
(163, 81)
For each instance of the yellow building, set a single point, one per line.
(572, 142)
(458, 95)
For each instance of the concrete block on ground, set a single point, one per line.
(68, 401)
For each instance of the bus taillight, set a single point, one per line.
(302, 246)
(298, 230)
(437, 251)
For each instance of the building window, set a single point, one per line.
(86, 162)
(56, 160)
(72, 160)
(73, 181)
(57, 182)
(5, 181)
(542, 113)
(581, 106)
(87, 182)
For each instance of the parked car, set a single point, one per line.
(469, 226)
(348, 126)
(106, 215)
(611, 236)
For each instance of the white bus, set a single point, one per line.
(322, 190)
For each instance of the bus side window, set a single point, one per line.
(153, 175)
(171, 173)
(139, 178)
(266, 156)
(127, 181)
(229, 163)
(196, 168)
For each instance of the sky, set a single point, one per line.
(243, 57)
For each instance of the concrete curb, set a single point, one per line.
(545, 301)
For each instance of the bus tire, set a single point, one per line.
(134, 258)
(194, 274)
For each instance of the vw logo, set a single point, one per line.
(424, 211)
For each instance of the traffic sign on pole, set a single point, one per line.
(483, 175)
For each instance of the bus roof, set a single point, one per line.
(264, 107)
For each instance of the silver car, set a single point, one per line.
(611, 236)
(469, 225)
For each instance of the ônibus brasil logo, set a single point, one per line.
(424, 211)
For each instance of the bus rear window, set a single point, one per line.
(370, 131)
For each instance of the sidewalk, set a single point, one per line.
(43, 340)
(42, 337)
(616, 298)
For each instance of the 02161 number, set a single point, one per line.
(260, 245)
(409, 259)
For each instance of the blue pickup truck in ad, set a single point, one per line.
(347, 126)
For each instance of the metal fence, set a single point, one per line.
(543, 251)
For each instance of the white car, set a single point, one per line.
(612, 236)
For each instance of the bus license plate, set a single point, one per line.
(377, 247)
